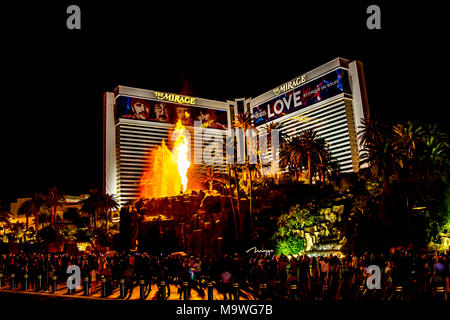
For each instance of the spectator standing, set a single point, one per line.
(226, 282)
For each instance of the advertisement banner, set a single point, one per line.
(162, 111)
(320, 89)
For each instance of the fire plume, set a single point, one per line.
(180, 153)
(166, 173)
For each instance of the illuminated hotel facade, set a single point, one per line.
(330, 99)
(128, 140)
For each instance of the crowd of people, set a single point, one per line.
(403, 274)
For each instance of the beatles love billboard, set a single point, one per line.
(322, 88)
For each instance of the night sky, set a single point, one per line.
(53, 79)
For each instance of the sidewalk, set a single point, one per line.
(97, 295)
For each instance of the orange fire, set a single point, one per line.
(180, 153)
(167, 170)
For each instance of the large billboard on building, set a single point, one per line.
(324, 87)
(166, 112)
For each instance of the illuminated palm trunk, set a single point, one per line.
(232, 205)
(36, 221)
(309, 168)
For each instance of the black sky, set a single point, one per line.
(53, 79)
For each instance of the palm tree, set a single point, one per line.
(32, 208)
(378, 150)
(296, 153)
(283, 138)
(230, 192)
(26, 210)
(307, 149)
(370, 131)
(322, 161)
(43, 218)
(245, 122)
(209, 177)
(54, 199)
(327, 166)
(5, 219)
(406, 138)
(315, 148)
(232, 167)
(91, 206)
(110, 203)
(434, 153)
(230, 144)
(238, 196)
(16, 229)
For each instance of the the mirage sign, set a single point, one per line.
(322, 88)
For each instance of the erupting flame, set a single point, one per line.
(167, 170)
(180, 154)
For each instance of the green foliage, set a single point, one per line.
(445, 228)
(289, 245)
(296, 219)
(287, 237)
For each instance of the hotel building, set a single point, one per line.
(330, 99)
(128, 139)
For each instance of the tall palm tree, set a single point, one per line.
(292, 155)
(370, 131)
(233, 209)
(283, 139)
(5, 219)
(307, 149)
(275, 126)
(232, 170)
(32, 208)
(435, 155)
(43, 218)
(378, 150)
(245, 122)
(110, 204)
(54, 199)
(323, 162)
(315, 148)
(238, 199)
(406, 137)
(91, 206)
(27, 210)
(230, 144)
(209, 177)
(17, 229)
(326, 166)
